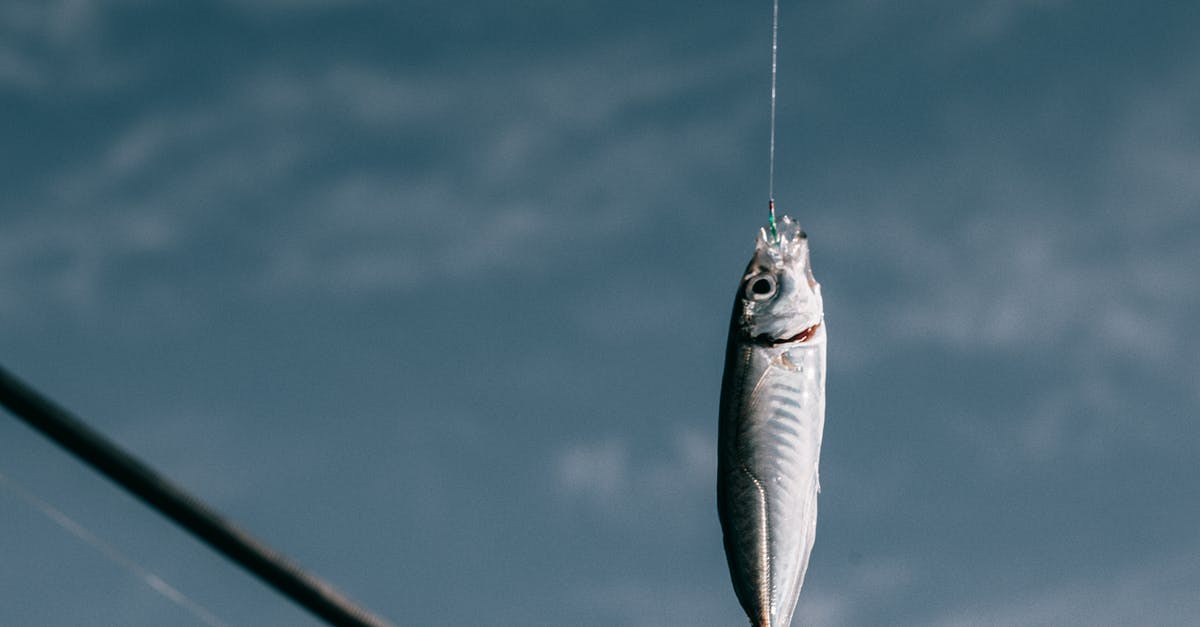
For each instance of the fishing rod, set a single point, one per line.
(187, 511)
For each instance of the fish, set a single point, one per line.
(772, 417)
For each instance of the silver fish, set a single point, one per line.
(772, 417)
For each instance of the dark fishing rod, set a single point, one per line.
(187, 511)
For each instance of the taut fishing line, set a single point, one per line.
(771, 159)
(111, 552)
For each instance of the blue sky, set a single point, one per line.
(432, 297)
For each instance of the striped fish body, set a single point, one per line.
(771, 422)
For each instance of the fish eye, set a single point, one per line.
(760, 286)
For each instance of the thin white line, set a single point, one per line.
(113, 554)
(774, 71)
(766, 603)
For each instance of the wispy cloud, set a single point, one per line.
(607, 474)
(990, 255)
(597, 471)
(947, 27)
(1159, 592)
(651, 603)
(987, 21)
(292, 6)
(61, 47)
(433, 193)
(1021, 259)
(64, 264)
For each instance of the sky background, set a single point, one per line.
(432, 297)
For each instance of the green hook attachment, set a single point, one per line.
(771, 221)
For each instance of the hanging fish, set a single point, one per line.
(772, 417)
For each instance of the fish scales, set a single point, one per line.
(771, 424)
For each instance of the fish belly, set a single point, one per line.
(771, 425)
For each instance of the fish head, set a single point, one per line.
(779, 300)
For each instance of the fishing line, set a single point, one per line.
(771, 167)
(111, 552)
(185, 510)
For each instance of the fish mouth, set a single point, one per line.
(799, 338)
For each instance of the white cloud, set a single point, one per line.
(1101, 261)
(947, 27)
(989, 20)
(1158, 592)
(654, 603)
(865, 585)
(985, 251)
(493, 198)
(17, 70)
(597, 471)
(361, 234)
(611, 478)
(1155, 153)
(630, 601)
(359, 94)
(61, 46)
(1021, 285)
(293, 6)
(63, 262)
